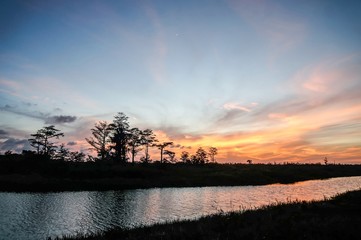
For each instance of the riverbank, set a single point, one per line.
(335, 218)
(52, 176)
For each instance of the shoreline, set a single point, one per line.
(60, 176)
(333, 218)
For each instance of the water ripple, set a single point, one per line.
(42, 215)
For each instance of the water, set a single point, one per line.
(42, 215)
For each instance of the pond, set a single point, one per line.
(43, 215)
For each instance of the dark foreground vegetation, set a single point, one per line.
(336, 218)
(23, 173)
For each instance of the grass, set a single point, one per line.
(36, 175)
(331, 219)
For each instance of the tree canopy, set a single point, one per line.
(117, 142)
(42, 140)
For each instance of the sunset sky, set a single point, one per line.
(271, 81)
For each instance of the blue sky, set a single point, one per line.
(262, 80)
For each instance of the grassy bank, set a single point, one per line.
(40, 175)
(336, 218)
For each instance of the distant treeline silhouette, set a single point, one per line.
(115, 142)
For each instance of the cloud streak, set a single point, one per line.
(46, 117)
(16, 145)
(157, 62)
(60, 119)
(321, 118)
(235, 106)
(3, 134)
(274, 22)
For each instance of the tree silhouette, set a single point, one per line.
(100, 140)
(147, 139)
(42, 140)
(62, 153)
(120, 136)
(36, 142)
(8, 153)
(185, 157)
(171, 156)
(161, 147)
(135, 141)
(77, 156)
(212, 153)
(201, 156)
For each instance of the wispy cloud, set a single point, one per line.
(3, 134)
(16, 145)
(11, 88)
(225, 120)
(305, 126)
(272, 21)
(329, 76)
(46, 117)
(158, 59)
(45, 91)
(9, 84)
(31, 114)
(343, 135)
(235, 106)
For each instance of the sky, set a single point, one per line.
(270, 81)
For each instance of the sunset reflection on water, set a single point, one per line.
(41, 215)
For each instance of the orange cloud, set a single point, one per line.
(321, 119)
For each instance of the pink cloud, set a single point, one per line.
(329, 76)
(277, 116)
(9, 84)
(237, 106)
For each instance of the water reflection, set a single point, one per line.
(37, 216)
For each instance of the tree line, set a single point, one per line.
(117, 142)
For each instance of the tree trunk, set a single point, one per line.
(161, 155)
(133, 153)
(146, 153)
